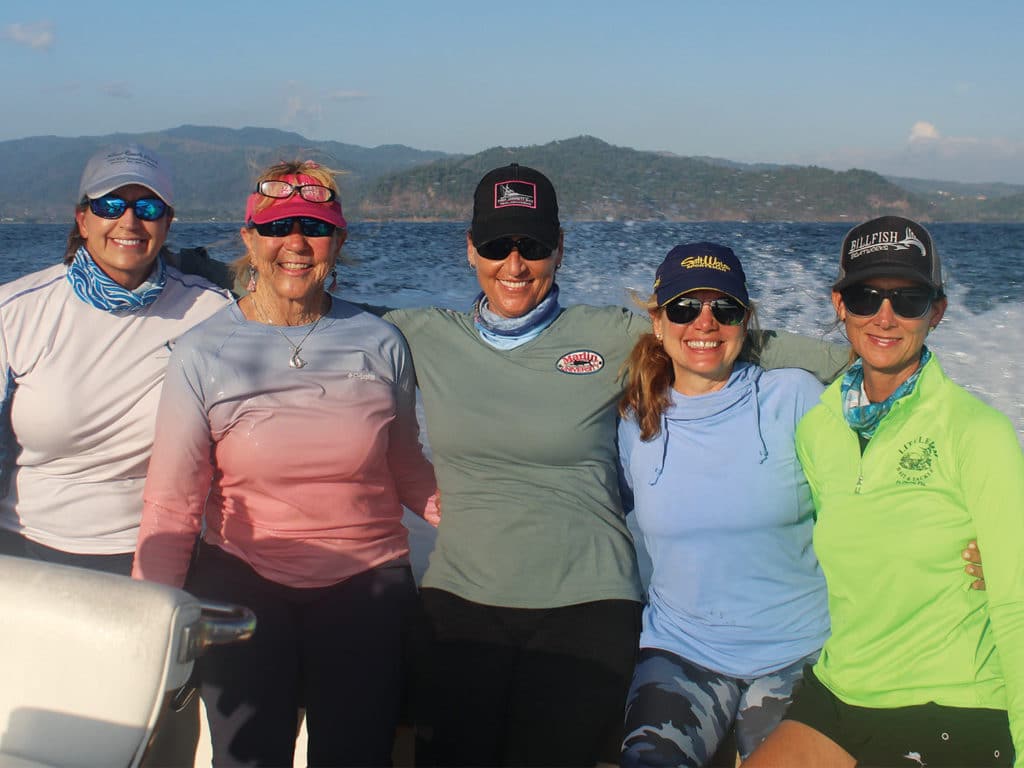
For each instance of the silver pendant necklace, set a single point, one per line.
(295, 361)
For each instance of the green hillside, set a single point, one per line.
(214, 169)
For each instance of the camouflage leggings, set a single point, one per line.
(678, 713)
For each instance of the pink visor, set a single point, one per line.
(282, 208)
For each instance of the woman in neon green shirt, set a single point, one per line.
(905, 468)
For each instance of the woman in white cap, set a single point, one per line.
(83, 351)
(736, 605)
(905, 467)
(287, 442)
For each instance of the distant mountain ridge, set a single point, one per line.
(214, 168)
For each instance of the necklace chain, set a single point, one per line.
(295, 361)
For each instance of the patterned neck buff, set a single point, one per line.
(511, 332)
(861, 414)
(93, 286)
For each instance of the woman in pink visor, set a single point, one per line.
(287, 444)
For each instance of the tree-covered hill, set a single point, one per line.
(214, 169)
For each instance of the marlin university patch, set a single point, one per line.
(581, 361)
(917, 458)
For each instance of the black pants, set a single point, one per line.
(336, 650)
(17, 545)
(523, 687)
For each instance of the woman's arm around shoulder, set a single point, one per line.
(991, 468)
(781, 349)
(412, 472)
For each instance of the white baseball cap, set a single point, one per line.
(118, 166)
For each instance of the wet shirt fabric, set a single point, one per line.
(79, 388)
(941, 469)
(726, 516)
(301, 473)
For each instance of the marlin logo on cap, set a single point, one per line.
(883, 241)
(911, 239)
(521, 194)
(704, 262)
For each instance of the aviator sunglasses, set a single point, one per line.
(865, 301)
(528, 248)
(283, 227)
(113, 207)
(726, 311)
(313, 193)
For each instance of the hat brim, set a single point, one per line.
(483, 235)
(737, 299)
(297, 206)
(893, 269)
(111, 183)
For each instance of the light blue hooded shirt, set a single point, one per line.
(727, 518)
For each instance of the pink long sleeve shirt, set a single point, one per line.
(300, 472)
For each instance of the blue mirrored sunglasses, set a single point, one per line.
(113, 207)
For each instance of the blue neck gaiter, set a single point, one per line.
(93, 286)
(511, 332)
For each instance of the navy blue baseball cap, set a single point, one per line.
(700, 266)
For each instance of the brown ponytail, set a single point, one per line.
(648, 372)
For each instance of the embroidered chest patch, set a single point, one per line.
(916, 460)
(580, 362)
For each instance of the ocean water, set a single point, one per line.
(789, 268)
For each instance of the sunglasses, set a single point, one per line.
(726, 311)
(865, 301)
(283, 227)
(313, 193)
(528, 248)
(113, 207)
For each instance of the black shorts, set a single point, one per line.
(925, 734)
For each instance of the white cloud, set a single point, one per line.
(300, 112)
(928, 154)
(38, 35)
(923, 131)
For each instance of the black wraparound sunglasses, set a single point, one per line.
(529, 249)
(283, 227)
(866, 301)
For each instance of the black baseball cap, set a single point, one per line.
(515, 200)
(889, 246)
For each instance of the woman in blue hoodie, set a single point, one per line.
(737, 603)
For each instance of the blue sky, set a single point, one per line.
(928, 89)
